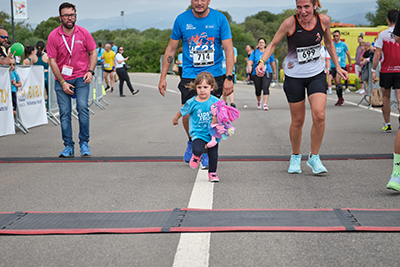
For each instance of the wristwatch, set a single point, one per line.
(229, 77)
(92, 72)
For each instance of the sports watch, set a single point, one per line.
(92, 72)
(229, 77)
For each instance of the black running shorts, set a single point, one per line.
(295, 87)
(187, 94)
(389, 80)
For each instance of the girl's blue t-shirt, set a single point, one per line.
(199, 117)
(201, 42)
(14, 75)
(255, 56)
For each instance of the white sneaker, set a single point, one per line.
(329, 91)
(258, 105)
(348, 91)
(362, 92)
(358, 91)
(265, 107)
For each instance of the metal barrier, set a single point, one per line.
(370, 85)
(52, 97)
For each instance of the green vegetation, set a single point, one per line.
(144, 48)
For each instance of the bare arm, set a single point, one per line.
(230, 61)
(92, 65)
(286, 28)
(326, 22)
(176, 118)
(377, 57)
(397, 38)
(349, 58)
(169, 56)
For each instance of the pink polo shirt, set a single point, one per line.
(83, 44)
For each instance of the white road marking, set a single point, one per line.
(379, 110)
(155, 87)
(194, 248)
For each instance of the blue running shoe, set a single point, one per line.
(204, 161)
(315, 164)
(394, 182)
(188, 152)
(85, 150)
(295, 164)
(68, 152)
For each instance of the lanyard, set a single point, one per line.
(69, 49)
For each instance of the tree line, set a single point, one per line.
(144, 48)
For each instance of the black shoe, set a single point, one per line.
(107, 88)
(122, 95)
(135, 92)
(233, 105)
(112, 89)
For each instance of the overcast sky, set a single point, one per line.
(39, 10)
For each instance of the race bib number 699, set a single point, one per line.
(308, 54)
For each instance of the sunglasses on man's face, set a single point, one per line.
(336, 36)
(12, 64)
(4, 36)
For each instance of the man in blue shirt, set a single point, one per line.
(203, 32)
(342, 51)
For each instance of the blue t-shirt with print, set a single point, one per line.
(14, 75)
(341, 49)
(199, 117)
(224, 60)
(255, 56)
(201, 41)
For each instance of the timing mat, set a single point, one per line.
(199, 220)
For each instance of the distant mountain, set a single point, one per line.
(163, 19)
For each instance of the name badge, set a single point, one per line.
(308, 54)
(67, 70)
(203, 58)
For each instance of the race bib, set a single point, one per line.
(203, 58)
(107, 66)
(308, 54)
(67, 70)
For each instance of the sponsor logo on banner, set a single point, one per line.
(6, 108)
(20, 9)
(30, 97)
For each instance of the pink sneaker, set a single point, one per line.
(265, 107)
(213, 177)
(258, 105)
(194, 162)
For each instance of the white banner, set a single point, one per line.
(20, 9)
(6, 107)
(30, 96)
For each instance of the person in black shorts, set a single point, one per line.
(202, 51)
(304, 69)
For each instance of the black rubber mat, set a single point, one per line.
(196, 220)
(180, 159)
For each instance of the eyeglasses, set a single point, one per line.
(121, 49)
(4, 36)
(66, 16)
(12, 64)
(335, 35)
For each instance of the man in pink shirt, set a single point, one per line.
(72, 58)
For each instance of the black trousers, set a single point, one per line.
(123, 76)
(198, 146)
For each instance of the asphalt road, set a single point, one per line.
(141, 126)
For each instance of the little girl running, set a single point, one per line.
(198, 108)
